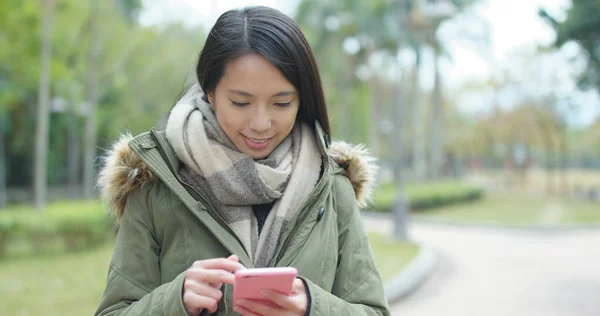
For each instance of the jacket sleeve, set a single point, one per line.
(358, 288)
(133, 285)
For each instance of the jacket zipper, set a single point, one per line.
(199, 196)
(304, 218)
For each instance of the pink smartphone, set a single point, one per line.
(249, 282)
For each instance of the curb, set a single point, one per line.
(411, 277)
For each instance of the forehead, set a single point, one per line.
(254, 74)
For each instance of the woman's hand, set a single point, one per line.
(295, 304)
(203, 281)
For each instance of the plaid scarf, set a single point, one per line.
(233, 181)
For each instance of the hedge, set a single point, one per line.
(427, 195)
(73, 225)
(63, 226)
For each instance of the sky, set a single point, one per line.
(513, 26)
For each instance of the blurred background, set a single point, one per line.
(484, 115)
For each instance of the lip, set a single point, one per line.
(255, 145)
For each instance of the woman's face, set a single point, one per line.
(255, 105)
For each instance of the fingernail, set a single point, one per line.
(264, 292)
(237, 310)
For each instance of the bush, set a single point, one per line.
(427, 195)
(63, 226)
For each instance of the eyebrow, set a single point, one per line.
(248, 94)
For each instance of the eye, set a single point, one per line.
(283, 105)
(239, 104)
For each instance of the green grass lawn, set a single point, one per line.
(520, 208)
(72, 283)
(391, 256)
(64, 284)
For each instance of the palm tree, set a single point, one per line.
(378, 26)
(330, 24)
(428, 17)
(43, 118)
(419, 157)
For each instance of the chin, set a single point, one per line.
(256, 156)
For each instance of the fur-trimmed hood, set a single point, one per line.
(124, 172)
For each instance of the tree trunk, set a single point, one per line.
(401, 205)
(401, 208)
(375, 117)
(40, 177)
(550, 168)
(2, 172)
(73, 158)
(92, 99)
(436, 143)
(564, 153)
(419, 157)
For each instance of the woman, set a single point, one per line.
(243, 176)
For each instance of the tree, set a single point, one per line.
(3, 124)
(419, 154)
(42, 126)
(89, 139)
(430, 17)
(129, 9)
(344, 35)
(134, 88)
(582, 25)
(437, 118)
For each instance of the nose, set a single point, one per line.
(261, 120)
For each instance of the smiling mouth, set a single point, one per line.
(257, 140)
(257, 143)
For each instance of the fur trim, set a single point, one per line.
(124, 172)
(360, 167)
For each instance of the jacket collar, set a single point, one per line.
(133, 162)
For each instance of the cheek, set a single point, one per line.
(290, 118)
(229, 120)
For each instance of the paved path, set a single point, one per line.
(505, 272)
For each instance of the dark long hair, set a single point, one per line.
(276, 37)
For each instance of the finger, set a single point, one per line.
(211, 276)
(244, 311)
(234, 258)
(278, 298)
(196, 303)
(298, 286)
(258, 308)
(216, 285)
(202, 289)
(219, 263)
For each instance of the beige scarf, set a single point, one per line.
(233, 181)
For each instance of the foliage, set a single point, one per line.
(141, 71)
(582, 25)
(64, 226)
(427, 195)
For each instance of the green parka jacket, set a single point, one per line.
(164, 226)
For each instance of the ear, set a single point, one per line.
(210, 97)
